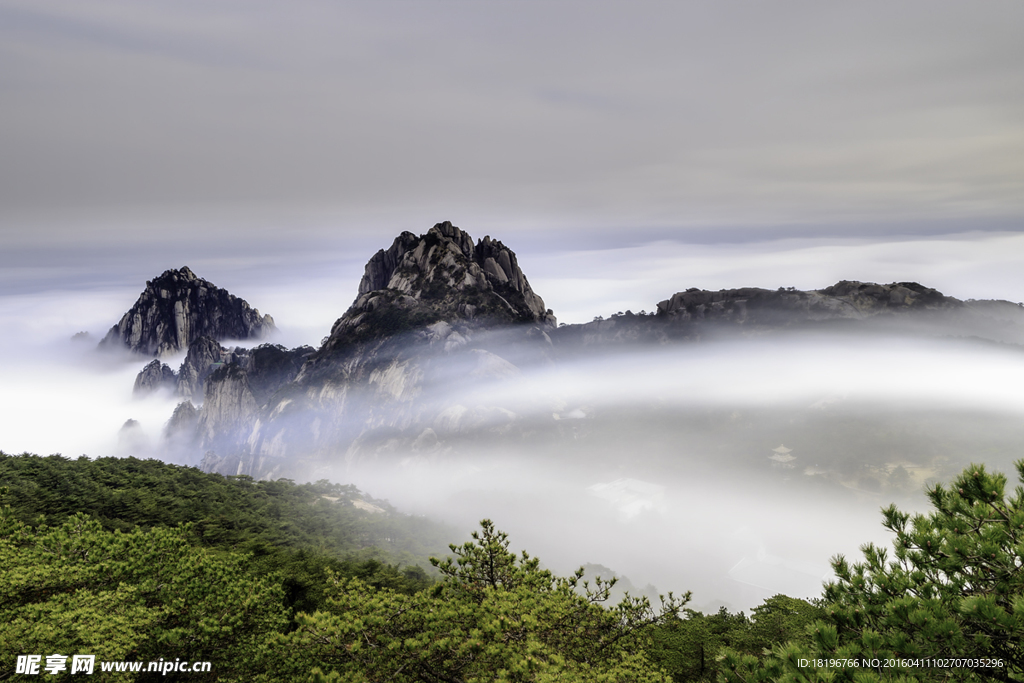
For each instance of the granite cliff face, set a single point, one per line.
(228, 405)
(152, 378)
(203, 357)
(438, 277)
(177, 308)
(269, 366)
(228, 384)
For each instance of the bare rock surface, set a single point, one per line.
(177, 308)
(845, 299)
(438, 276)
(204, 356)
(229, 406)
(152, 378)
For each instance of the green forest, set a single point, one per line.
(138, 561)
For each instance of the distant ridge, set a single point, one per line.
(845, 299)
(177, 308)
(849, 305)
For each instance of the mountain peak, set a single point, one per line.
(178, 307)
(172, 276)
(439, 276)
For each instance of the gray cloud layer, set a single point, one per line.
(521, 114)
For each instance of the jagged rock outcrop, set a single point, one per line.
(229, 407)
(898, 296)
(443, 327)
(439, 276)
(430, 352)
(234, 383)
(204, 356)
(152, 378)
(269, 367)
(177, 308)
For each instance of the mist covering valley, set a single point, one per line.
(732, 461)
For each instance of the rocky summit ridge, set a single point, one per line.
(441, 276)
(848, 305)
(177, 308)
(845, 299)
(441, 325)
(268, 366)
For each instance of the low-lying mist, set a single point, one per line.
(734, 468)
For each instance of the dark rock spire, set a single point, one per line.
(177, 308)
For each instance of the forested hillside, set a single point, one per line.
(231, 512)
(297, 530)
(138, 561)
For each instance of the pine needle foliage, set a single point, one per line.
(234, 511)
(494, 616)
(951, 592)
(295, 530)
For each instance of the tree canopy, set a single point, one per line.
(951, 594)
(237, 512)
(494, 616)
(141, 595)
(271, 596)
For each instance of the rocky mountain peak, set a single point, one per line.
(153, 377)
(179, 307)
(869, 296)
(173, 277)
(382, 265)
(439, 276)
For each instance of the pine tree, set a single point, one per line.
(953, 590)
(494, 616)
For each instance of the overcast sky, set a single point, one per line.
(232, 129)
